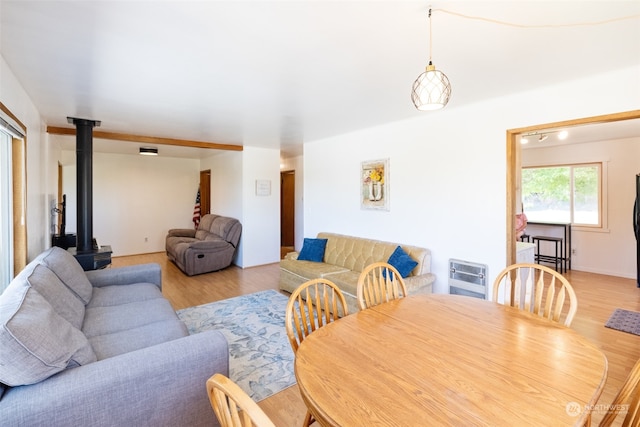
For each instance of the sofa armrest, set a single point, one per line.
(162, 385)
(141, 273)
(291, 255)
(181, 232)
(421, 284)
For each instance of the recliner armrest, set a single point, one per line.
(181, 232)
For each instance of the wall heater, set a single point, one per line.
(468, 278)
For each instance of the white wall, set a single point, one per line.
(297, 164)
(226, 189)
(136, 199)
(447, 170)
(41, 163)
(261, 214)
(233, 193)
(612, 249)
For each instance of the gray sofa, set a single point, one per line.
(100, 348)
(209, 248)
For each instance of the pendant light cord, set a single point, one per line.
(430, 38)
(510, 24)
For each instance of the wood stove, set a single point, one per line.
(89, 254)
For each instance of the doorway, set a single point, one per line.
(287, 211)
(59, 201)
(205, 192)
(513, 164)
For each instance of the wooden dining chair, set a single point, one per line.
(234, 407)
(537, 288)
(378, 283)
(628, 398)
(312, 305)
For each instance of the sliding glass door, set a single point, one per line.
(6, 210)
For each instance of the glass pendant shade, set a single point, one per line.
(431, 90)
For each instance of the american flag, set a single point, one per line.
(196, 211)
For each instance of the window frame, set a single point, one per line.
(17, 133)
(602, 193)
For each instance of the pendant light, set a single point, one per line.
(431, 90)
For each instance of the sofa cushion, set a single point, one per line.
(174, 240)
(108, 296)
(402, 262)
(125, 318)
(355, 253)
(347, 281)
(69, 270)
(222, 226)
(109, 320)
(313, 250)
(64, 302)
(200, 235)
(125, 341)
(206, 221)
(310, 269)
(36, 342)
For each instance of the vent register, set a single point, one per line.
(468, 278)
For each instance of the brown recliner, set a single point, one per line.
(209, 248)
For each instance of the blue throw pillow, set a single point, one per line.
(313, 250)
(402, 262)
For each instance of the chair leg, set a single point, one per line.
(308, 419)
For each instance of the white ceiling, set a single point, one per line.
(278, 73)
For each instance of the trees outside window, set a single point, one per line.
(569, 193)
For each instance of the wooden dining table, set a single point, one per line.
(448, 360)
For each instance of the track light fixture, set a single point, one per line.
(542, 136)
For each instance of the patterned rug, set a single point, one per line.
(260, 356)
(624, 320)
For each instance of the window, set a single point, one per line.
(6, 212)
(13, 187)
(569, 193)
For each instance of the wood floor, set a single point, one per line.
(598, 296)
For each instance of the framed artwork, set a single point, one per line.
(374, 185)
(263, 187)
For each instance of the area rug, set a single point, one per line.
(624, 320)
(260, 356)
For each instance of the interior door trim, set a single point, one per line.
(513, 154)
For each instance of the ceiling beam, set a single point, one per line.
(98, 134)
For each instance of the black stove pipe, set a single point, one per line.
(84, 182)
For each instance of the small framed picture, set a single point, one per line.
(374, 184)
(263, 187)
